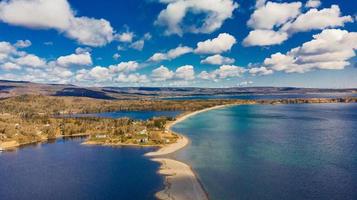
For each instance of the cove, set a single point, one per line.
(65, 169)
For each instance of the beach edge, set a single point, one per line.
(181, 182)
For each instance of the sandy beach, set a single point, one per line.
(181, 182)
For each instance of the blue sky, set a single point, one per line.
(204, 43)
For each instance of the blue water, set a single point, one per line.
(139, 115)
(67, 170)
(264, 96)
(270, 152)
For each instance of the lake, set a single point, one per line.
(264, 96)
(138, 115)
(269, 152)
(67, 170)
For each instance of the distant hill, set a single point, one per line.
(16, 88)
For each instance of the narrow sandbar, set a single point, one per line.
(181, 182)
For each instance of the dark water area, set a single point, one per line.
(270, 152)
(65, 169)
(264, 96)
(138, 115)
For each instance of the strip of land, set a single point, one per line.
(181, 182)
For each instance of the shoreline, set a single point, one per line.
(181, 182)
(13, 145)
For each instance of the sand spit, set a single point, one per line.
(181, 182)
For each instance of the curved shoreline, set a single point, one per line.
(181, 183)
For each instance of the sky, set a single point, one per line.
(180, 43)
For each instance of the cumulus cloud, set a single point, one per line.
(90, 31)
(125, 67)
(31, 60)
(78, 59)
(116, 56)
(273, 23)
(125, 36)
(264, 38)
(10, 66)
(58, 15)
(273, 14)
(330, 49)
(224, 42)
(260, 71)
(22, 43)
(244, 83)
(171, 54)
(183, 73)
(318, 19)
(217, 60)
(138, 45)
(186, 73)
(313, 3)
(223, 72)
(100, 74)
(132, 78)
(161, 73)
(215, 11)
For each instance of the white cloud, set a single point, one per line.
(171, 54)
(132, 78)
(224, 72)
(58, 15)
(273, 14)
(37, 13)
(260, 71)
(264, 38)
(273, 23)
(100, 74)
(216, 12)
(317, 20)
(147, 36)
(313, 3)
(217, 60)
(81, 50)
(161, 73)
(125, 67)
(330, 49)
(183, 73)
(22, 43)
(78, 59)
(6, 48)
(138, 45)
(186, 73)
(125, 36)
(222, 43)
(30, 60)
(90, 31)
(10, 66)
(245, 83)
(116, 56)
(12, 58)
(259, 3)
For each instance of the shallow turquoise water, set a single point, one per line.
(274, 151)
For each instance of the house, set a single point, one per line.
(143, 132)
(100, 136)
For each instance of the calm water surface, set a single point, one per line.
(269, 152)
(67, 170)
(139, 115)
(266, 96)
